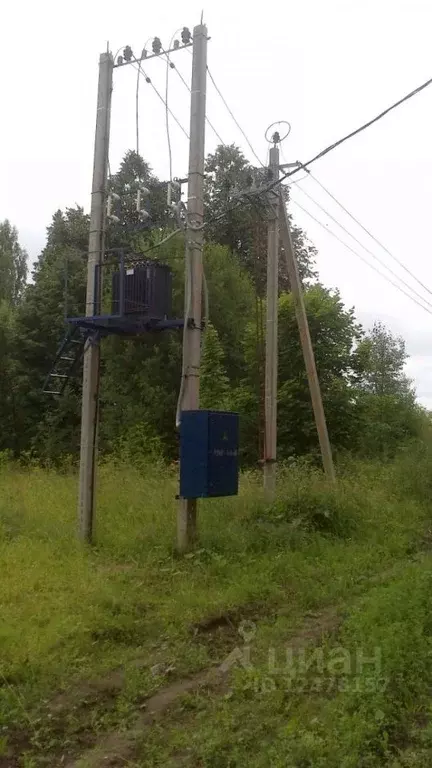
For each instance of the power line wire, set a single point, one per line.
(136, 98)
(167, 117)
(137, 109)
(303, 166)
(161, 98)
(163, 241)
(389, 280)
(168, 67)
(368, 232)
(374, 256)
(218, 136)
(231, 115)
(234, 118)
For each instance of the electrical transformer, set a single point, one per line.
(145, 289)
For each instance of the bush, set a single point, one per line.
(309, 502)
(138, 446)
(411, 473)
(326, 509)
(6, 458)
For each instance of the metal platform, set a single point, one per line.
(139, 293)
(126, 325)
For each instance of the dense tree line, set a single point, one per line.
(370, 404)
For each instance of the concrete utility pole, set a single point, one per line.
(187, 509)
(305, 340)
(271, 360)
(90, 392)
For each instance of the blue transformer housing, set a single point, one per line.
(208, 454)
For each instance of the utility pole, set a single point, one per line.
(192, 333)
(306, 343)
(271, 358)
(90, 392)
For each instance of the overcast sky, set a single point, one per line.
(326, 67)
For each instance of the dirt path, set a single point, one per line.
(117, 748)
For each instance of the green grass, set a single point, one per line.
(71, 614)
(338, 713)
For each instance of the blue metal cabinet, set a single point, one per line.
(208, 454)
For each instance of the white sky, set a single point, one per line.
(324, 66)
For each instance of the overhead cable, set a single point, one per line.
(167, 118)
(234, 118)
(331, 147)
(374, 256)
(137, 119)
(137, 90)
(173, 66)
(368, 232)
(362, 258)
(161, 98)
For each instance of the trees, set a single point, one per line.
(384, 357)
(369, 401)
(9, 410)
(134, 171)
(334, 333)
(141, 376)
(214, 382)
(385, 423)
(243, 228)
(13, 272)
(40, 326)
(387, 410)
(13, 264)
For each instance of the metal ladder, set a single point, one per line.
(67, 359)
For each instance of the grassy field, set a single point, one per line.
(296, 635)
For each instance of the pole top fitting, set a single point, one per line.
(277, 136)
